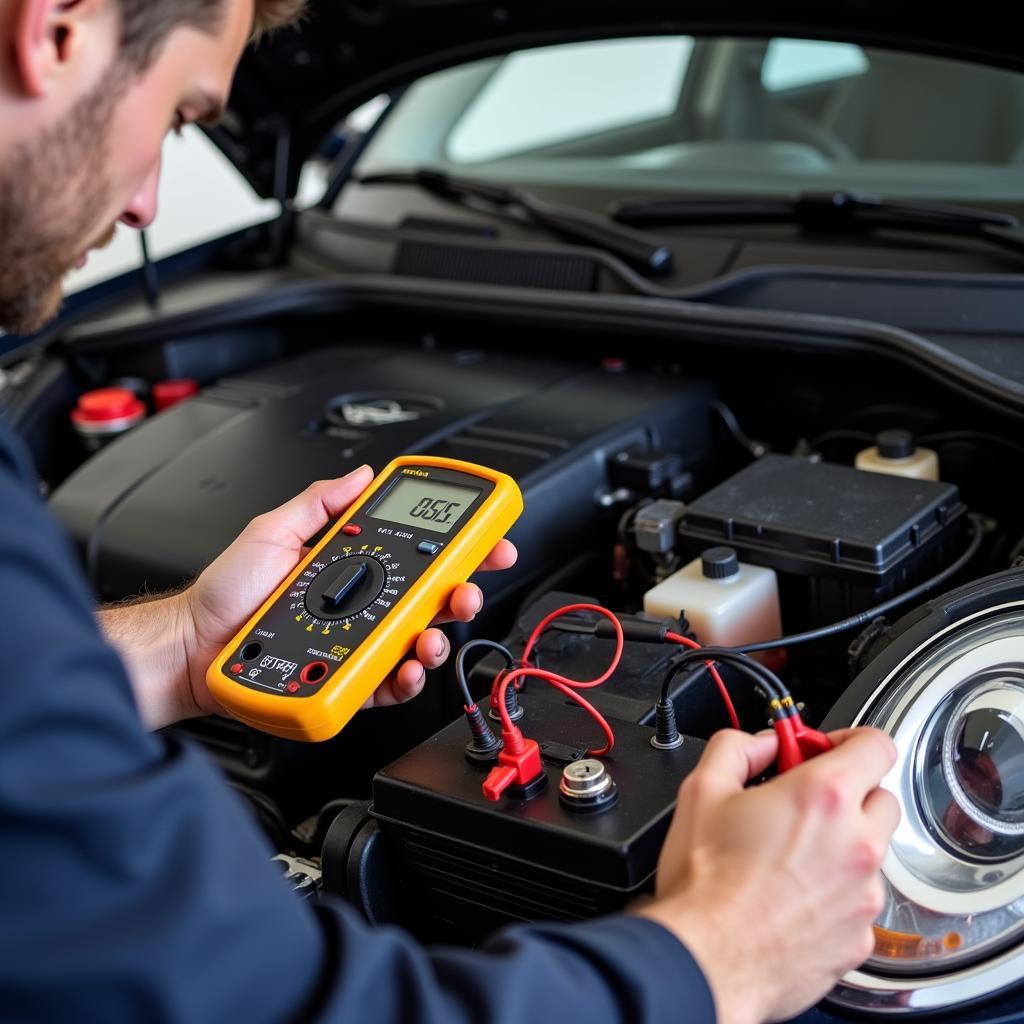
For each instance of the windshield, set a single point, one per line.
(718, 115)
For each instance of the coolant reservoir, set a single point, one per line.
(726, 602)
(896, 454)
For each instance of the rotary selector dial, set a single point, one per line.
(345, 587)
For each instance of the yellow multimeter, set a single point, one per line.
(305, 663)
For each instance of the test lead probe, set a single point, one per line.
(798, 742)
(483, 745)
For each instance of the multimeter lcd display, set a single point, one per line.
(424, 503)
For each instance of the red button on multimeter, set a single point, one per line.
(356, 604)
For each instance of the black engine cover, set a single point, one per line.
(158, 504)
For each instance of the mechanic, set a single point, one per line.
(134, 885)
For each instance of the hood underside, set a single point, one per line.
(293, 88)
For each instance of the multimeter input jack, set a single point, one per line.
(252, 650)
(314, 672)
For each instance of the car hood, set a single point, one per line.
(293, 88)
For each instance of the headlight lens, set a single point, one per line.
(975, 785)
(955, 871)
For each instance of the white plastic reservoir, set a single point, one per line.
(896, 453)
(726, 602)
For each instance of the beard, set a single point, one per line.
(50, 190)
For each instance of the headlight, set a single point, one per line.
(952, 930)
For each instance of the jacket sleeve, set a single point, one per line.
(135, 887)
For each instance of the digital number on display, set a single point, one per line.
(435, 510)
(429, 504)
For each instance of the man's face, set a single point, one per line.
(64, 188)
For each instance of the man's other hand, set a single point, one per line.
(774, 888)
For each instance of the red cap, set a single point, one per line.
(107, 406)
(169, 392)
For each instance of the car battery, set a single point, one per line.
(468, 865)
(841, 539)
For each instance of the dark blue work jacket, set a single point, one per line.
(134, 887)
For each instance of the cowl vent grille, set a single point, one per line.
(483, 265)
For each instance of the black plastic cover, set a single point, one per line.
(822, 519)
(160, 503)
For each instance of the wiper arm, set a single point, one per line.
(638, 249)
(823, 211)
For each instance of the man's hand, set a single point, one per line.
(170, 682)
(774, 889)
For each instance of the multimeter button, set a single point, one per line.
(293, 687)
(352, 529)
(341, 585)
(237, 667)
(428, 547)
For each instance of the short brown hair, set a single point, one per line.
(145, 24)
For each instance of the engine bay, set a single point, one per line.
(680, 495)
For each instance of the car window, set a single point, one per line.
(718, 114)
(202, 197)
(791, 63)
(542, 96)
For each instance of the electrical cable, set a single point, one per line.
(755, 448)
(535, 635)
(685, 641)
(586, 628)
(863, 618)
(978, 436)
(797, 742)
(768, 680)
(842, 434)
(564, 686)
(460, 666)
(645, 631)
(561, 683)
(937, 438)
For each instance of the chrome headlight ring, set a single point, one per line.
(952, 931)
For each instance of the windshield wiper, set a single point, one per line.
(825, 211)
(638, 249)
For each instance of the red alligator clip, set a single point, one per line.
(518, 763)
(798, 742)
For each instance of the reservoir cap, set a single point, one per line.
(719, 563)
(895, 444)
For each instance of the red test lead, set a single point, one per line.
(519, 762)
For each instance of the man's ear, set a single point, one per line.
(49, 35)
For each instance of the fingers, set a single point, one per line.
(407, 681)
(859, 761)
(402, 685)
(309, 512)
(503, 556)
(882, 810)
(732, 758)
(432, 648)
(467, 599)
